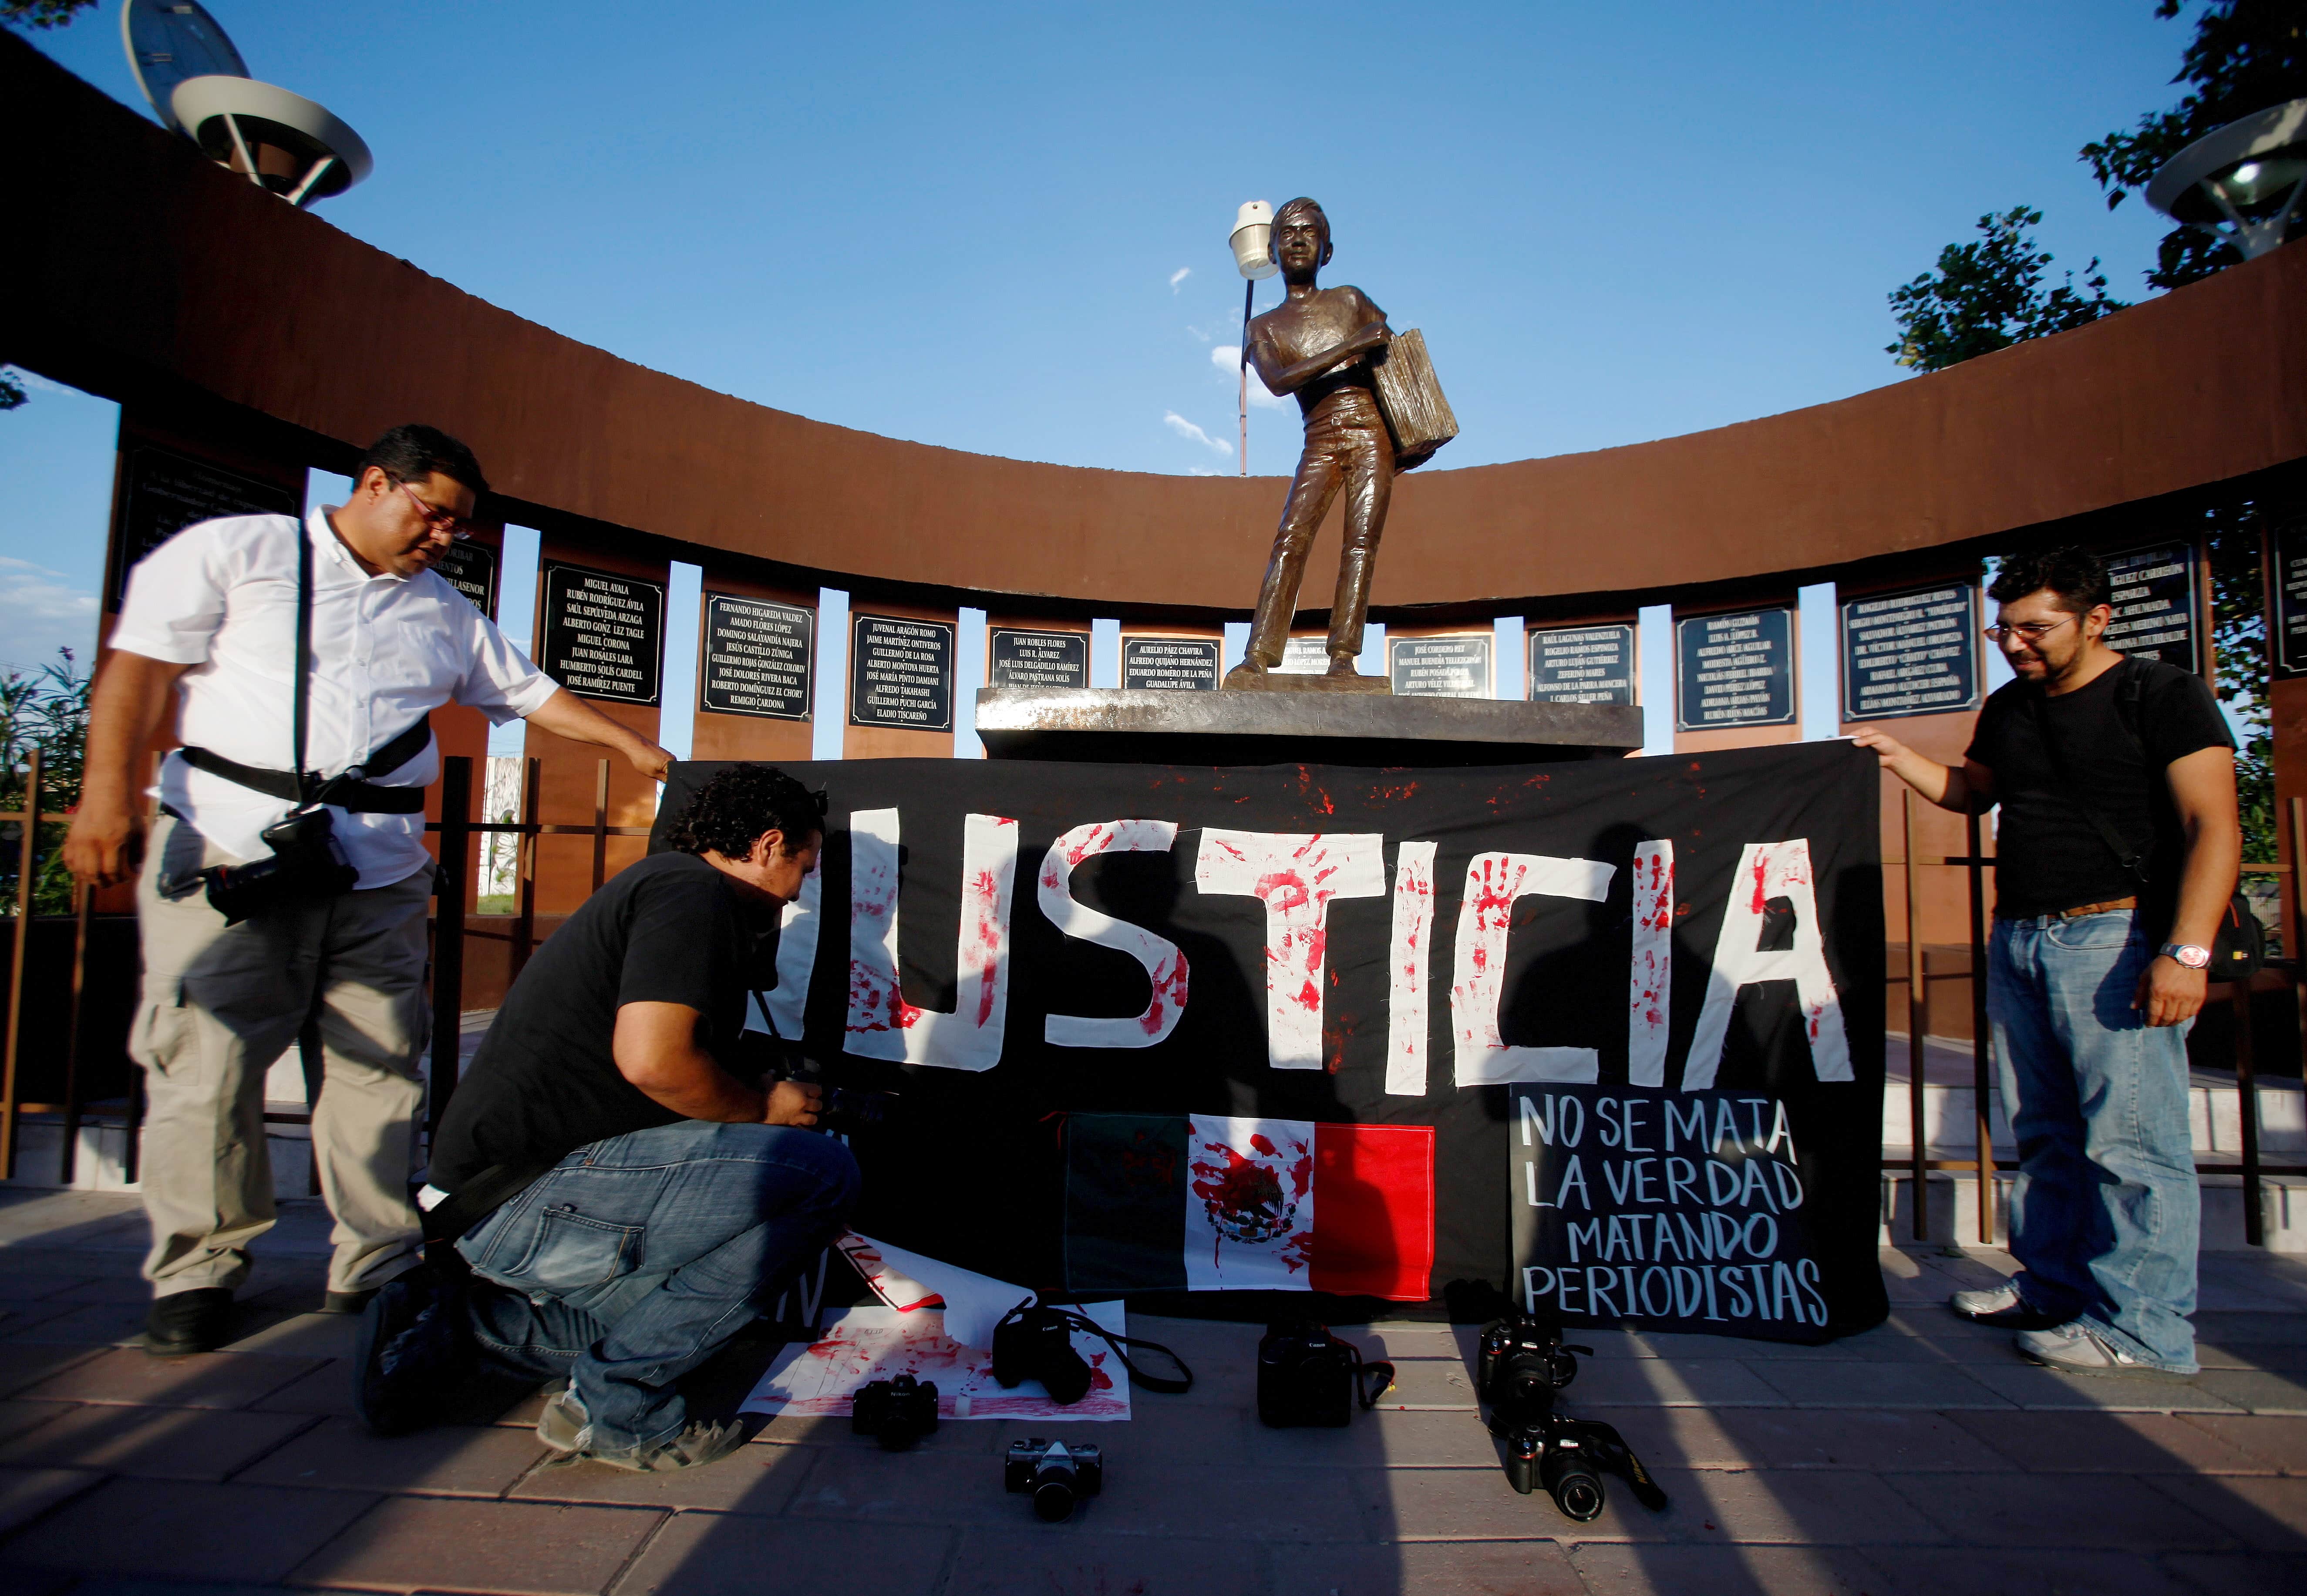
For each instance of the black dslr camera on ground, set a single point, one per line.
(1522, 1361)
(1054, 1474)
(1308, 1376)
(900, 1412)
(1035, 1342)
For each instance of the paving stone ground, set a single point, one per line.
(1920, 1457)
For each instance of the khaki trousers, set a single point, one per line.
(219, 1005)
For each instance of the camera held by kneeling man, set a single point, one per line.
(625, 1202)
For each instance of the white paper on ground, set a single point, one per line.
(863, 1345)
(973, 1303)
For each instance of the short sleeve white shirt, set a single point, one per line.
(220, 597)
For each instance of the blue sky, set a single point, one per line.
(966, 225)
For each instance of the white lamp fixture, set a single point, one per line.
(2244, 182)
(199, 86)
(1253, 241)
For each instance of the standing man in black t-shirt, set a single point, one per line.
(654, 1199)
(2118, 849)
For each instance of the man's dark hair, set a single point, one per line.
(2075, 575)
(414, 452)
(729, 813)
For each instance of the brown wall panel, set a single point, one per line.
(569, 773)
(720, 736)
(148, 256)
(889, 743)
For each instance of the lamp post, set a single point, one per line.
(1253, 256)
(2242, 182)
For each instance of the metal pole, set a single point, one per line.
(1981, 1075)
(85, 909)
(1249, 292)
(449, 933)
(524, 924)
(601, 826)
(2254, 1223)
(28, 846)
(1916, 1022)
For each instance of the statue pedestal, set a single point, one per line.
(1137, 727)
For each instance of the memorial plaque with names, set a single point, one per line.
(1304, 657)
(2289, 552)
(1735, 670)
(167, 491)
(471, 569)
(901, 673)
(1582, 664)
(2153, 592)
(757, 655)
(1172, 664)
(1910, 653)
(1444, 668)
(604, 633)
(1017, 657)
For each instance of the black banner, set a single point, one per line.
(1736, 670)
(1911, 653)
(1017, 657)
(167, 491)
(757, 657)
(1173, 664)
(604, 633)
(2153, 591)
(901, 673)
(1304, 954)
(1584, 664)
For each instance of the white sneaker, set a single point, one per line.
(2077, 1349)
(2000, 1306)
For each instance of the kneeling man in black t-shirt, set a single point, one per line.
(666, 1198)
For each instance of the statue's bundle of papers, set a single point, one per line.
(1416, 412)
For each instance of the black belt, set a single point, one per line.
(348, 791)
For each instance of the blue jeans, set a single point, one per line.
(2106, 1215)
(638, 1257)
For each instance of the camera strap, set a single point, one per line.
(1161, 1383)
(351, 790)
(1365, 1392)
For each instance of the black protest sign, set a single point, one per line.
(1663, 1207)
(1252, 952)
(167, 491)
(604, 633)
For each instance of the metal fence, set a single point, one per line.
(457, 829)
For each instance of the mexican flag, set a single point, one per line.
(1209, 1203)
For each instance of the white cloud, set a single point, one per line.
(1227, 358)
(1179, 276)
(1203, 471)
(1187, 429)
(41, 610)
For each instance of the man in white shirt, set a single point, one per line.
(212, 614)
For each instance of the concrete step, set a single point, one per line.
(1951, 1217)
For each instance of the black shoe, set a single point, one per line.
(348, 1301)
(200, 1321)
(415, 1350)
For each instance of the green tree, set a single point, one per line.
(1989, 295)
(41, 14)
(46, 709)
(2246, 55)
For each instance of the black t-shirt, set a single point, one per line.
(2052, 857)
(667, 930)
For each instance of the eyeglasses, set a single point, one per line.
(2028, 631)
(439, 519)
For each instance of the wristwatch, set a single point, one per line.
(2193, 958)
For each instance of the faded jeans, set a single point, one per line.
(2106, 1215)
(638, 1257)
